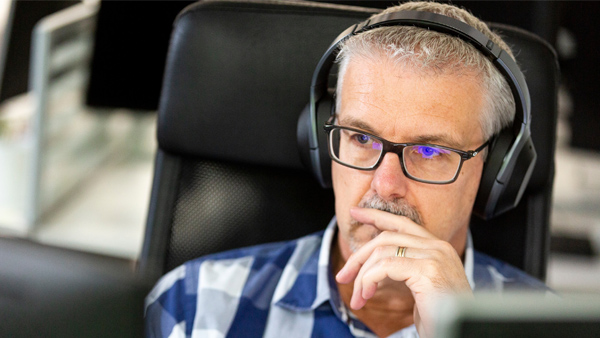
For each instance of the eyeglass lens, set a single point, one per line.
(424, 162)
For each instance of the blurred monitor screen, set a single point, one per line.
(17, 19)
(517, 315)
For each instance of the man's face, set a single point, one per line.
(401, 105)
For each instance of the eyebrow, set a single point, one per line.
(355, 123)
(439, 139)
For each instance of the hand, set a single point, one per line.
(431, 267)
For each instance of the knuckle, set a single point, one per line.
(431, 267)
(440, 254)
(385, 234)
(445, 247)
(387, 262)
(378, 251)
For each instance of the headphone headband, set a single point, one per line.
(443, 24)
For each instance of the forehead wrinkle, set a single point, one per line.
(452, 139)
(350, 121)
(364, 99)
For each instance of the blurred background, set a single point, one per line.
(79, 89)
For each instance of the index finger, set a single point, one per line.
(386, 221)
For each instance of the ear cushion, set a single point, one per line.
(485, 202)
(494, 196)
(303, 134)
(316, 158)
(515, 186)
(325, 109)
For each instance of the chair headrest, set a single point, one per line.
(238, 75)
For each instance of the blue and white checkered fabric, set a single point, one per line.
(281, 290)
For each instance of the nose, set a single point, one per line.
(389, 180)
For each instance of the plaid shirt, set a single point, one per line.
(281, 290)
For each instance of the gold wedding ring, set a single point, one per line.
(401, 251)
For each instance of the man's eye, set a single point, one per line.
(430, 152)
(362, 138)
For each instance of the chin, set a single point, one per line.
(360, 234)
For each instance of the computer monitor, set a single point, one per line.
(519, 314)
(17, 20)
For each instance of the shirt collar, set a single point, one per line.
(469, 260)
(311, 289)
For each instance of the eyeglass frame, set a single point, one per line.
(388, 146)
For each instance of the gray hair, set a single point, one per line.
(437, 53)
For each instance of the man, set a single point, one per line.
(400, 238)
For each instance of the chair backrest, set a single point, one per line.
(227, 171)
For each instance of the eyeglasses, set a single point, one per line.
(426, 163)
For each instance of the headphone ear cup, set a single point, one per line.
(325, 108)
(316, 158)
(495, 196)
(303, 134)
(515, 185)
(487, 195)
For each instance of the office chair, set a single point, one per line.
(227, 169)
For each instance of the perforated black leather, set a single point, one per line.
(222, 206)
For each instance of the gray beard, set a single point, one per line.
(396, 206)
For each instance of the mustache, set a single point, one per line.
(396, 206)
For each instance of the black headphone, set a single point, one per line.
(511, 157)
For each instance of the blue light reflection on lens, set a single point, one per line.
(430, 152)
